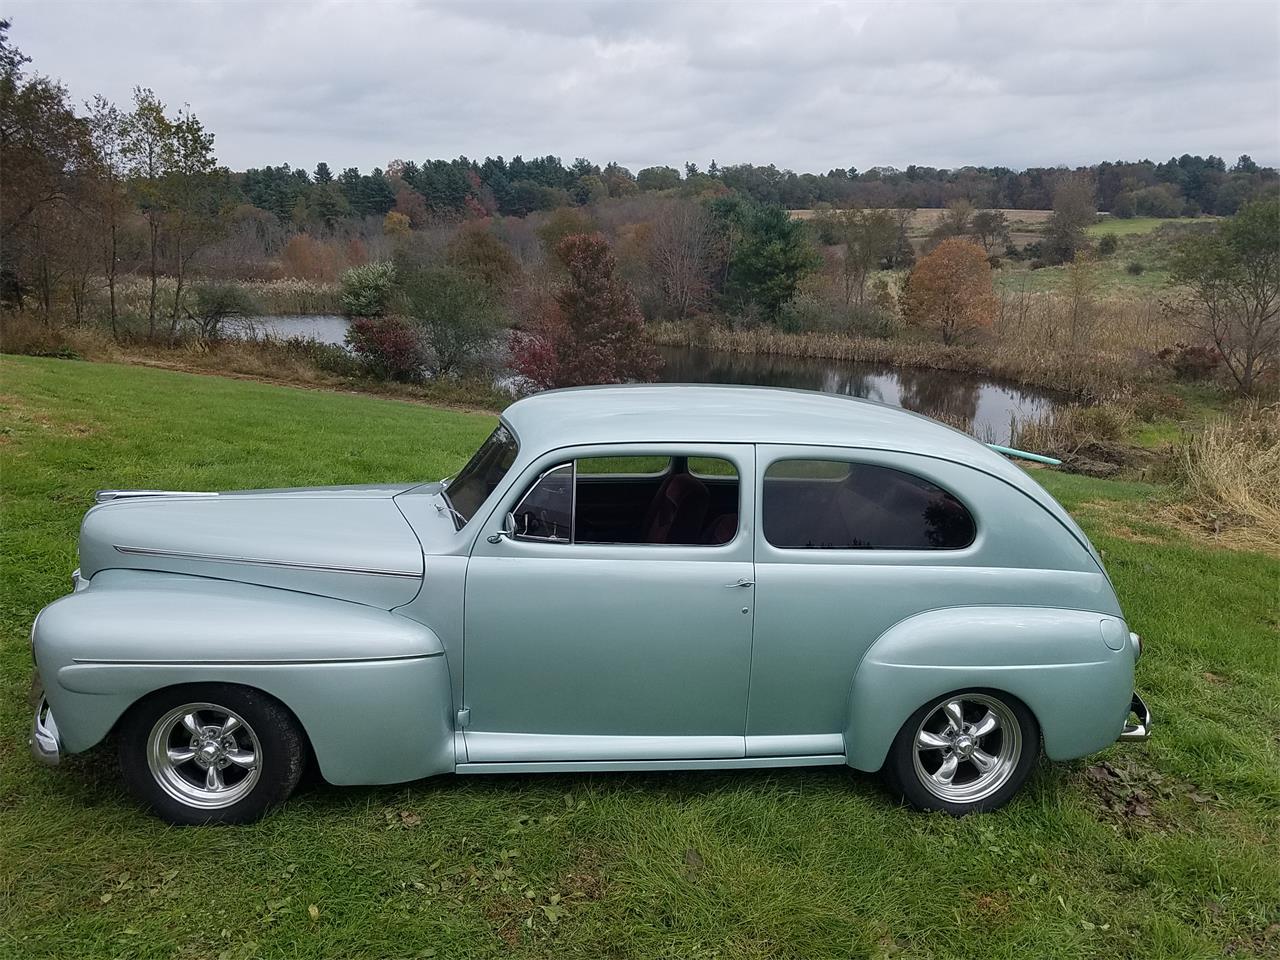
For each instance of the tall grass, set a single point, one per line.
(272, 297)
(1230, 473)
(1077, 344)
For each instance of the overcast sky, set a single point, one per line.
(808, 86)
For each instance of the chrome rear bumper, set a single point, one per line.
(45, 744)
(1135, 732)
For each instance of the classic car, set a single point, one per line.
(621, 578)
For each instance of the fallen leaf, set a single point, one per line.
(105, 898)
(314, 912)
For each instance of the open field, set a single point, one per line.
(1172, 849)
(1116, 227)
(1024, 225)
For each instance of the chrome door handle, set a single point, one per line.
(744, 582)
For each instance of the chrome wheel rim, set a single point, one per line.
(967, 748)
(204, 755)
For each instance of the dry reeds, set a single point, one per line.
(1095, 350)
(1230, 475)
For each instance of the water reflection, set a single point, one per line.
(982, 406)
(979, 405)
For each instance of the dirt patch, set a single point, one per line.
(1218, 531)
(585, 881)
(1131, 794)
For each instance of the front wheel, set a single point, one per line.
(963, 753)
(210, 753)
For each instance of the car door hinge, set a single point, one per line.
(464, 717)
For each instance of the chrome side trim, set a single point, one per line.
(263, 561)
(249, 663)
(103, 496)
(623, 766)
(46, 746)
(1137, 732)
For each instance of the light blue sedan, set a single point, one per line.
(621, 578)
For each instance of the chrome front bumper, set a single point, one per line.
(1136, 732)
(45, 744)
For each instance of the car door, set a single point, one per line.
(619, 630)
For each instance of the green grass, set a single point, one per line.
(1110, 277)
(1116, 227)
(1178, 857)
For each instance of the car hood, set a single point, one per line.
(351, 542)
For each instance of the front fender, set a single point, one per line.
(370, 688)
(1055, 661)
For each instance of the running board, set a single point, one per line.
(623, 766)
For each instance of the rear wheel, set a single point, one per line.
(963, 753)
(210, 753)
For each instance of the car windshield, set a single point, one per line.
(483, 472)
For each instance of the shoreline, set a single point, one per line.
(1068, 379)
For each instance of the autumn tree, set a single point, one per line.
(682, 248)
(396, 224)
(592, 332)
(1232, 276)
(949, 290)
(412, 205)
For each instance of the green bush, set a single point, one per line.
(456, 312)
(214, 304)
(1134, 268)
(1107, 245)
(368, 290)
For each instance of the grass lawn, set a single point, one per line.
(1166, 850)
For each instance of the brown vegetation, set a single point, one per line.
(1230, 475)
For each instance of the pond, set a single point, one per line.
(987, 405)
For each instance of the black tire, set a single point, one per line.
(905, 779)
(265, 731)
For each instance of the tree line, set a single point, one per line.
(456, 189)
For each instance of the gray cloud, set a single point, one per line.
(807, 85)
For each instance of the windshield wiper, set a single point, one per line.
(459, 521)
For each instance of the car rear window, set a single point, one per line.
(842, 505)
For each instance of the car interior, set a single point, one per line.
(650, 500)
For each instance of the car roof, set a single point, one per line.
(712, 413)
(709, 413)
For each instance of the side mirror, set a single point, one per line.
(508, 529)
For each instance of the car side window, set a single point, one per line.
(842, 505)
(671, 500)
(545, 512)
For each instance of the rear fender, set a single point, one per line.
(370, 688)
(1054, 661)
